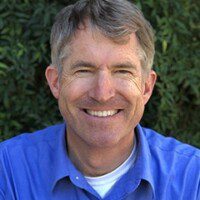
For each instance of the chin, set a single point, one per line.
(105, 140)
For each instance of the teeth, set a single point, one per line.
(102, 113)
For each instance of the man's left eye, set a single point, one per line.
(122, 71)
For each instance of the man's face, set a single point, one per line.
(103, 89)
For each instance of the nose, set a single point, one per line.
(103, 87)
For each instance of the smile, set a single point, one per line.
(105, 113)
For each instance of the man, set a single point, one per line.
(102, 54)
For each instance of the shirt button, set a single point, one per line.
(77, 178)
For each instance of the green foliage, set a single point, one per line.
(26, 102)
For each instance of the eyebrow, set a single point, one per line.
(81, 63)
(126, 65)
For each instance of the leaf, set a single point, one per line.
(164, 46)
(3, 66)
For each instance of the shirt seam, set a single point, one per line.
(5, 146)
(177, 152)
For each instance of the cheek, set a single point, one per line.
(130, 88)
(73, 88)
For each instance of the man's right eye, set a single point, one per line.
(83, 71)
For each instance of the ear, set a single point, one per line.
(51, 74)
(150, 81)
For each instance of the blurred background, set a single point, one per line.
(26, 103)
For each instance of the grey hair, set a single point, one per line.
(116, 19)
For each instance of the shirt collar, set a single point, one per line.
(59, 161)
(142, 168)
(60, 164)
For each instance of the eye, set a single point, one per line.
(123, 71)
(83, 71)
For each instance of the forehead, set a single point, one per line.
(89, 44)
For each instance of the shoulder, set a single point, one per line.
(27, 154)
(172, 159)
(175, 166)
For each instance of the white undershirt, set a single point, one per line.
(103, 184)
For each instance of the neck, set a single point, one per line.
(97, 161)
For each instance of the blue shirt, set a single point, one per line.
(36, 167)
